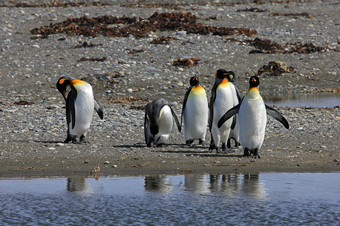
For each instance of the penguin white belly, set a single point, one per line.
(165, 125)
(223, 103)
(252, 122)
(196, 115)
(84, 107)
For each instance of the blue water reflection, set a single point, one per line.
(265, 198)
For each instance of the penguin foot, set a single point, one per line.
(200, 142)
(256, 154)
(246, 152)
(212, 146)
(224, 148)
(189, 142)
(228, 143)
(83, 140)
(70, 138)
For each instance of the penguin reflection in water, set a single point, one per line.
(195, 112)
(252, 116)
(158, 122)
(80, 104)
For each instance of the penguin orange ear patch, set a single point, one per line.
(61, 81)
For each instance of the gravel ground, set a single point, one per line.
(135, 72)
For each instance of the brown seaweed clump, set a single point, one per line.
(271, 47)
(163, 40)
(186, 62)
(294, 15)
(138, 27)
(276, 68)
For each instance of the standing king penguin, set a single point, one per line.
(80, 104)
(195, 112)
(234, 132)
(252, 112)
(221, 101)
(158, 122)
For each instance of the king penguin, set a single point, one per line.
(234, 132)
(195, 112)
(80, 104)
(221, 101)
(252, 116)
(158, 122)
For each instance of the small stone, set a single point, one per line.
(114, 166)
(106, 162)
(130, 90)
(59, 144)
(86, 161)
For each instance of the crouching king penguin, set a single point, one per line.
(252, 117)
(195, 112)
(221, 101)
(158, 122)
(80, 104)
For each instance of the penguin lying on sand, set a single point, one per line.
(221, 101)
(195, 112)
(252, 117)
(80, 103)
(158, 122)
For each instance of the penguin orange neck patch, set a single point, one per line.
(77, 81)
(224, 82)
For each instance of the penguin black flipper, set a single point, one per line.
(277, 115)
(233, 124)
(176, 119)
(70, 109)
(211, 103)
(238, 94)
(98, 109)
(228, 115)
(185, 102)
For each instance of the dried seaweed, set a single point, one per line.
(138, 27)
(86, 45)
(271, 47)
(186, 62)
(126, 100)
(163, 40)
(136, 51)
(55, 4)
(276, 68)
(295, 15)
(23, 102)
(254, 9)
(92, 59)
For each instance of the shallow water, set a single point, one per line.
(306, 100)
(265, 198)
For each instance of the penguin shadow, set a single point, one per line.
(138, 145)
(40, 141)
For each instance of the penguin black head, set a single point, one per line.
(62, 84)
(194, 81)
(221, 74)
(254, 81)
